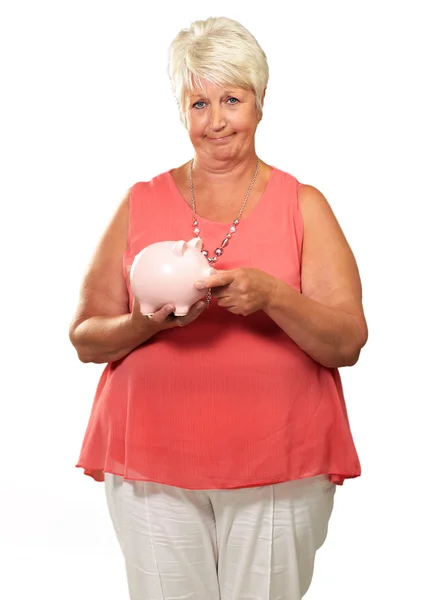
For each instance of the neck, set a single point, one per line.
(223, 172)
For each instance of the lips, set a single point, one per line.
(225, 137)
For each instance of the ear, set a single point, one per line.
(195, 243)
(179, 248)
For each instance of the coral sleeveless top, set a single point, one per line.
(228, 401)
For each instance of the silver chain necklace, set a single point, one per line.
(233, 229)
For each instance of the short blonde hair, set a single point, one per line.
(221, 51)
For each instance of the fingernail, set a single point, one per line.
(199, 285)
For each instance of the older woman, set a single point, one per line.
(222, 435)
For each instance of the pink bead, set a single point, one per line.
(205, 253)
(197, 230)
(236, 222)
(233, 229)
(218, 252)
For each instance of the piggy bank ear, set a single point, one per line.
(195, 243)
(179, 248)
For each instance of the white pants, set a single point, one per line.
(250, 543)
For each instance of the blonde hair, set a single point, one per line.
(221, 51)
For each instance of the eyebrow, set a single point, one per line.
(202, 93)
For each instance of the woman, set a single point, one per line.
(222, 435)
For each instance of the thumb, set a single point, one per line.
(136, 309)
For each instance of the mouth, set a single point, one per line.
(221, 138)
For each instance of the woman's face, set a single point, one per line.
(221, 121)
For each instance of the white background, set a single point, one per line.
(86, 111)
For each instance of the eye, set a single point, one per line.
(232, 98)
(195, 105)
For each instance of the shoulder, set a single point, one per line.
(151, 182)
(310, 194)
(283, 175)
(309, 197)
(288, 184)
(313, 204)
(318, 218)
(143, 190)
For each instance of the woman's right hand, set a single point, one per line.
(163, 318)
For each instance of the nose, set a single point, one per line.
(217, 119)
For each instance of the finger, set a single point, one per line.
(225, 302)
(218, 280)
(162, 314)
(235, 310)
(220, 292)
(136, 309)
(193, 313)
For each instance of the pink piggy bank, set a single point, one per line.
(165, 273)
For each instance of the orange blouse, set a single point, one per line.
(228, 401)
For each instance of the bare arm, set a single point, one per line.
(105, 339)
(330, 336)
(103, 329)
(327, 320)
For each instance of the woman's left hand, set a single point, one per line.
(242, 291)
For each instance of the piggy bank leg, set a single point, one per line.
(181, 311)
(146, 309)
